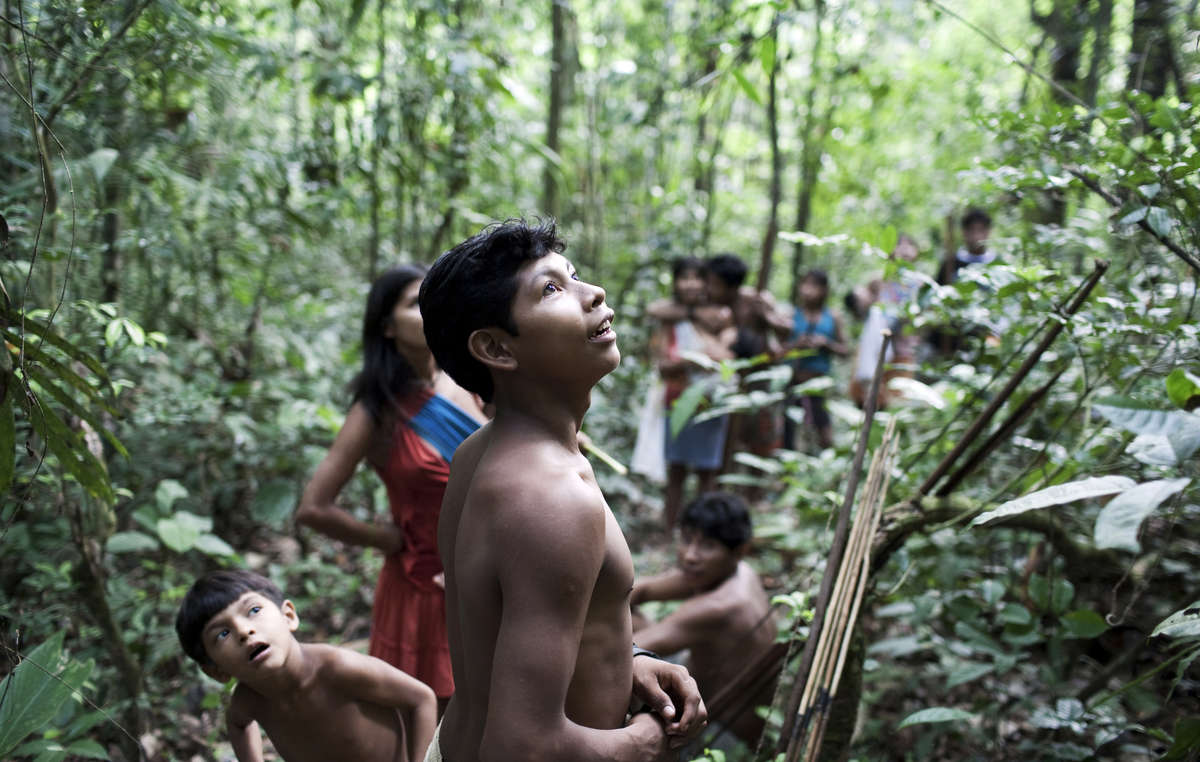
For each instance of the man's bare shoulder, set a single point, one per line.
(537, 492)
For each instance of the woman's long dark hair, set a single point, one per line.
(386, 375)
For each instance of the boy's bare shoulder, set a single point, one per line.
(538, 491)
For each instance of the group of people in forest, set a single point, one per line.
(506, 610)
(712, 314)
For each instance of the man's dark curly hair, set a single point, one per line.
(472, 287)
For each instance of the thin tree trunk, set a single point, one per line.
(1150, 57)
(810, 155)
(378, 140)
(558, 66)
(776, 192)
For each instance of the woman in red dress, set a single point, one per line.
(406, 420)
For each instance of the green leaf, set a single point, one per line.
(274, 502)
(214, 546)
(1134, 217)
(1118, 523)
(167, 492)
(1039, 591)
(48, 335)
(967, 672)
(135, 332)
(1184, 623)
(130, 542)
(766, 53)
(684, 406)
(182, 531)
(1015, 613)
(1184, 389)
(1187, 739)
(749, 89)
(71, 451)
(1083, 624)
(36, 689)
(1061, 595)
(1160, 221)
(935, 714)
(1057, 495)
(1182, 429)
(112, 332)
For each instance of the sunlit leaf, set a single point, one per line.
(1059, 494)
(130, 542)
(1118, 523)
(1184, 389)
(1184, 623)
(935, 714)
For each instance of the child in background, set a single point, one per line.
(725, 622)
(882, 305)
(315, 702)
(817, 329)
(699, 447)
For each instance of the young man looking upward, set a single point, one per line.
(315, 702)
(538, 573)
(725, 621)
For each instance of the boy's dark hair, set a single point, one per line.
(472, 287)
(975, 215)
(721, 516)
(208, 596)
(729, 268)
(386, 374)
(680, 265)
(820, 277)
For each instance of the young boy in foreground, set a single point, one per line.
(315, 702)
(538, 573)
(725, 621)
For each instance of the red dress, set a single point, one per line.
(408, 627)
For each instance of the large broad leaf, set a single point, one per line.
(935, 714)
(1184, 623)
(182, 531)
(1184, 389)
(685, 405)
(36, 690)
(1182, 429)
(1059, 494)
(130, 542)
(1187, 739)
(1117, 525)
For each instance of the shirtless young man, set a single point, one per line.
(538, 574)
(725, 621)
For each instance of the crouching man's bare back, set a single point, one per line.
(538, 574)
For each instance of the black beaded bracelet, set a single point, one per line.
(645, 652)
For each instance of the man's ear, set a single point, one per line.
(490, 346)
(216, 673)
(289, 613)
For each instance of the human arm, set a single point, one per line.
(546, 578)
(839, 346)
(244, 734)
(375, 681)
(671, 585)
(663, 686)
(666, 310)
(669, 363)
(318, 507)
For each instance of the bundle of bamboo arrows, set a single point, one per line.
(833, 641)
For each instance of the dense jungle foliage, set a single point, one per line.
(195, 193)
